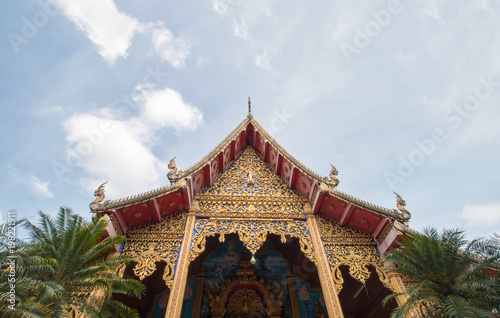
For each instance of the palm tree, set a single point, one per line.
(84, 269)
(21, 295)
(447, 274)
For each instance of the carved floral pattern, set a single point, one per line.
(346, 246)
(266, 195)
(153, 242)
(245, 302)
(251, 233)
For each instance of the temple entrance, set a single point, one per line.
(364, 300)
(278, 281)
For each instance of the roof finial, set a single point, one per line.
(249, 108)
(401, 207)
(99, 197)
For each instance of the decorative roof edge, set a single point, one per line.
(393, 213)
(141, 197)
(215, 151)
(285, 153)
(145, 196)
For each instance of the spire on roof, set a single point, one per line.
(249, 108)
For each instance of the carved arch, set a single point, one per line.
(248, 287)
(251, 233)
(155, 242)
(355, 249)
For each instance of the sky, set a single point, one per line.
(399, 95)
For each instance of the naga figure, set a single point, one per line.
(173, 174)
(401, 207)
(99, 197)
(333, 181)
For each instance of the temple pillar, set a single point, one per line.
(292, 291)
(198, 293)
(325, 274)
(175, 300)
(397, 286)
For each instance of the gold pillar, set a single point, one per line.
(198, 293)
(325, 273)
(397, 286)
(292, 291)
(174, 307)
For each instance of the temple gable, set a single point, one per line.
(249, 188)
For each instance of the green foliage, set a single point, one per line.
(448, 274)
(18, 277)
(68, 266)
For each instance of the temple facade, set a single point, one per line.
(249, 231)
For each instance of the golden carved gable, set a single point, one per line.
(154, 242)
(250, 188)
(350, 247)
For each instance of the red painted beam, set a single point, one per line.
(221, 161)
(154, 207)
(233, 150)
(280, 164)
(346, 214)
(243, 139)
(318, 201)
(111, 232)
(121, 221)
(266, 151)
(390, 241)
(312, 190)
(186, 197)
(293, 177)
(379, 227)
(250, 131)
(256, 141)
(207, 174)
(190, 181)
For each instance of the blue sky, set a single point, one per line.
(397, 95)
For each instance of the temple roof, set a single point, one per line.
(319, 191)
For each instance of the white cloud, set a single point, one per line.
(120, 151)
(165, 108)
(175, 50)
(263, 60)
(487, 215)
(433, 9)
(220, 7)
(202, 61)
(118, 155)
(240, 29)
(111, 30)
(50, 111)
(40, 187)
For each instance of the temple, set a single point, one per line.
(249, 231)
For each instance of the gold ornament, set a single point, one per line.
(250, 189)
(174, 173)
(251, 233)
(245, 302)
(401, 207)
(346, 246)
(153, 242)
(99, 197)
(333, 181)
